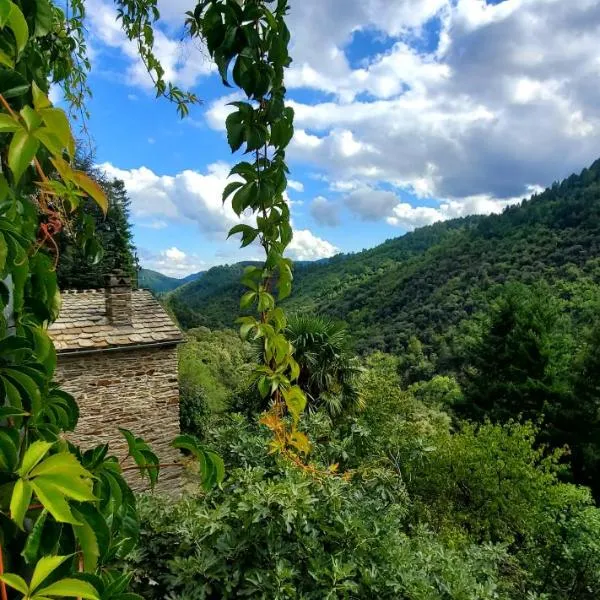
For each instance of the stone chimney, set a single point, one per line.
(117, 291)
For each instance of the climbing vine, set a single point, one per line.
(66, 513)
(248, 40)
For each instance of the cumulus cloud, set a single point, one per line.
(297, 186)
(373, 205)
(184, 62)
(186, 196)
(370, 204)
(505, 96)
(325, 212)
(171, 261)
(307, 246)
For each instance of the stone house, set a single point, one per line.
(117, 355)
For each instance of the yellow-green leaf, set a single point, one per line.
(57, 121)
(63, 463)
(51, 141)
(295, 401)
(19, 502)
(21, 152)
(54, 501)
(92, 189)
(40, 100)
(8, 124)
(16, 21)
(70, 588)
(299, 441)
(15, 581)
(32, 457)
(44, 567)
(31, 118)
(70, 486)
(6, 60)
(86, 537)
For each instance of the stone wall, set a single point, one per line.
(136, 389)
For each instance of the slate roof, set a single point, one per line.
(83, 325)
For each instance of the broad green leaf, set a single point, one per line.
(32, 545)
(50, 141)
(61, 464)
(247, 299)
(89, 515)
(295, 401)
(229, 189)
(70, 588)
(92, 188)
(16, 582)
(8, 124)
(8, 451)
(28, 384)
(54, 501)
(44, 567)
(73, 487)
(16, 21)
(43, 18)
(86, 538)
(5, 6)
(40, 100)
(11, 411)
(19, 501)
(58, 123)
(6, 60)
(31, 118)
(33, 456)
(21, 152)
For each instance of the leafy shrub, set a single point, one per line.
(273, 533)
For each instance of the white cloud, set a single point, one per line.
(186, 196)
(156, 224)
(307, 246)
(297, 186)
(172, 262)
(325, 212)
(507, 97)
(184, 62)
(174, 254)
(370, 204)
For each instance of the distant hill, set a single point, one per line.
(427, 282)
(161, 284)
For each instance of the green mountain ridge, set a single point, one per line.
(160, 283)
(427, 282)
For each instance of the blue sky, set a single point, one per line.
(408, 112)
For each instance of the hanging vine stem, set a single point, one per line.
(248, 40)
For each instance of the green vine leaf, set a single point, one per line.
(22, 150)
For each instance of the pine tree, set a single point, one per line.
(510, 372)
(84, 265)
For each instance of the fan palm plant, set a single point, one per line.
(328, 372)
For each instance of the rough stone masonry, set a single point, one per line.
(117, 355)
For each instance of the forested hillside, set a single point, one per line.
(159, 283)
(430, 280)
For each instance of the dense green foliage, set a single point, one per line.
(67, 515)
(213, 366)
(161, 284)
(422, 512)
(427, 282)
